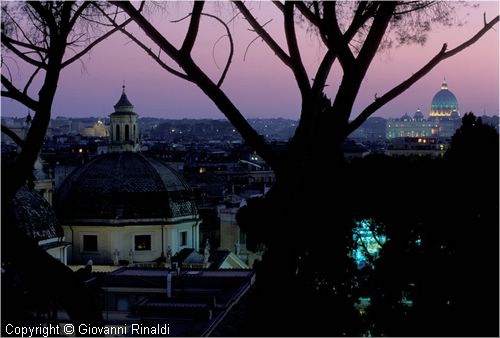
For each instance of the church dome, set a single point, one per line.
(34, 215)
(406, 117)
(418, 116)
(444, 102)
(124, 188)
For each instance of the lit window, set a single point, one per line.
(142, 242)
(90, 243)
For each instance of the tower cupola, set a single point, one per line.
(124, 131)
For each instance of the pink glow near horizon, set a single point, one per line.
(261, 86)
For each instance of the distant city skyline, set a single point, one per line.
(260, 86)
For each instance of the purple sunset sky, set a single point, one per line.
(261, 86)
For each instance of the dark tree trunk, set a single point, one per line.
(304, 278)
(42, 273)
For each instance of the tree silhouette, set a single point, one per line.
(308, 236)
(47, 36)
(305, 276)
(442, 226)
(305, 280)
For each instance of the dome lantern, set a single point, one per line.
(444, 85)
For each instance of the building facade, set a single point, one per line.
(444, 119)
(126, 207)
(408, 126)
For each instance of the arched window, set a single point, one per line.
(117, 137)
(135, 135)
(127, 132)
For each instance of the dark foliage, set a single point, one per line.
(441, 218)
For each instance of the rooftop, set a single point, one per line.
(198, 302)
(34, 215)
(124, 188)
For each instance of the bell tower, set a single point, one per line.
(124, 131)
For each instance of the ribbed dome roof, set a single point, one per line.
(34, 215)
(123, 105)
(126, 187)
(444, 102)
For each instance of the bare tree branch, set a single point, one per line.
(194, 24)
(145, 48)
(421, 5)
(23, 33)
(279, 5)
(263, 34)
(228, 34)
(23, 44)
(213, 49)
(394, 92)
(94, 43)
(308, 14)
(231, 48)
(336, 41)
(23, 56)
(64, 25)
(248, 46)
(163, 43)
(354, 72)
(196, 75)
(255, 39)
(181, 19)
(323, 72)
(360, 18)
(30, 80)
(365, 248)
(375, 35)
(54, 22)
(78, 13)
(375, 237)
(297, 65)
(10, 133)
(17, 95)
(45, 15)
